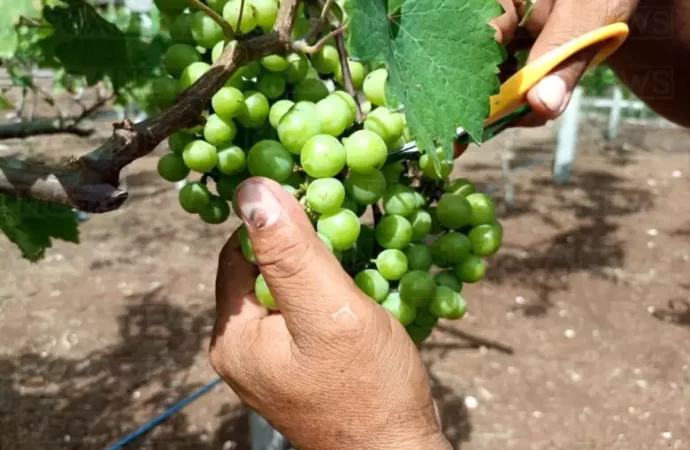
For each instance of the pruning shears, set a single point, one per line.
(510, 104)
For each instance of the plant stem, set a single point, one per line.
(347, 75)
(227, 28)
(303, 46)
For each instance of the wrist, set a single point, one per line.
(435, 441)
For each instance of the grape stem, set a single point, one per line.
(347, 75)
(303, 46)
(239, 18)
(227, 28)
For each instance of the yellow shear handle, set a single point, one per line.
(513, 91)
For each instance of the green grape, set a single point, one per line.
(386, 124)
(310, 89)
(451, 248)
(392, 264)
(357, 74)
(219, 132)
(353, 206)
(200, 156)
(178, 141)
(393, 232)
(421, 201)
(417, 288)
(418, 334)
(266, 13)
(236, 81)
(325, 240)
(401, 310)
(446, 278)
(471, 270)
(365, 188)
(483, 209)
(171, 167)
(270, 159)
(302, 25)
(246, 244)
(325, 195)
(396, 145)
(272, 85)
(399, 200)
(447, 304)
(171, 6)
(296, 128)
(425, 319)
(275, 63)
(231, 160)
(428, 169)
(334, 115)
(461, 187)
(419, 257)
(205, 31)
(263, 293)
(192, 73)
(178, 57)
(436, 227)
(165, 91)
(256, 111)
(453, 211)
(347, 98)
(392, 172)
(228, 103)
(421, 224)
(278, 111)
(326, 61)
(295, 180)
(216, 212)
(366, 151)
(252, 70)
(307, 107)
(181, 29)
(323, 156)
(374, 87)
(372, 283)
(217, 51)
(297, 69)
(194, 197)
(217, 5)
(227, 185)
(232, 11)
(486, 239)
(342, 227)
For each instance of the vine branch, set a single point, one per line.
(227, 28)
(347, 75)
(91, 182)
(303, 46)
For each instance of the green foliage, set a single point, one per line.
(33, 225)
(432, 49)
(9, 17)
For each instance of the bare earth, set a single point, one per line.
(580, 339)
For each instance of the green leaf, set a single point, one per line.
(32, 225)
(10, 12)
(442, 62)
(5, 102)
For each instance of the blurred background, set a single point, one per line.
(578, 339)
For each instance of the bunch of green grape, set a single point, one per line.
(290, 119)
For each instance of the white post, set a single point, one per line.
(615, 115)
(567, 138)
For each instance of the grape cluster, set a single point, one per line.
(289, 118)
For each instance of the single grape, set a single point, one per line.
(366, 188)
(417, 288)
(181, 29)
(386, 124)
(297, 69)
(256, 111)
(357, 74)
(453, 211)
(205, 31)
(393, 232)
(307, 107)
(471, 270)
(425, 318)
(275, 63)
(483, 209)
(349, 100)
(171, 6)
(436, 227)
(194, 197)
(200, 156)
(227, 185)
(325, 195)
(252, 70)
(460, 186)
(392, 172)
(486, 239)
(353, 206)
(216, 212)
(326, 61)
(366, 151)
(165, 90)
(392, 264)
(278, 111)
(419, 257)
(228, 103)
(334, 115)
(231, 160)
(446, 278)
(178, 141)
(323, 156)
(263, 293)
(217, 51)
(401, 310)
(372, 283)
(421, 224)
(271, 160)
(237, 81)
(192, 73)
(296, 128)
(451, 248)
(374, 87)
(327, 242)
(399, 200)
(219, 132)
(421, 201)
(171, 167)
(418, 334)
(232, 12)
(178, 57)
(309, 89)
(447, 304)
(272, 85)
(266, 13)
(246, 244)
(342, 227)
(428, 169)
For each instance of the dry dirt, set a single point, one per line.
(579, 339)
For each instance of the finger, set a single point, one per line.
(305, 278)
(507, 23)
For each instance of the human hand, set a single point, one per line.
(332, 370)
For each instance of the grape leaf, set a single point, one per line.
(442, 62)
(10, 13)
(32, 225)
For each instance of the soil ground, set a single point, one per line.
(579, 339)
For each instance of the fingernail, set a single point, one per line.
(258, 205)
(552, 91)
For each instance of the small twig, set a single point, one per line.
(347, 75)
(303, 45)
(227, 28)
